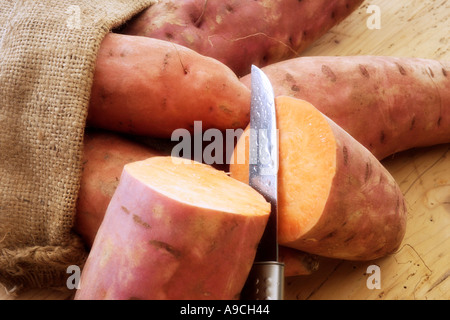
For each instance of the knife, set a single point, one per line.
(266, 278)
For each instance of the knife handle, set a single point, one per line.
(265, 282)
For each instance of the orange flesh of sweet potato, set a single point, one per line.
(152, 87)
(197, 185)
(175, 231)
(335, 198)
(389, 104)
(240, 33)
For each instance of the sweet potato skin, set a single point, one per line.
(150, 246)
(240, 33)
(104, 156)
(389, 104)
(152, 87)
(365, 213)
(296, 262)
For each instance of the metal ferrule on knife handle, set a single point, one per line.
(266, 278)
(265, 282)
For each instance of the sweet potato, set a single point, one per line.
(240, 33)
(175, 231)
(389, 104)
(104, 156)
(335, 198)
(297, 263)
(152, 87)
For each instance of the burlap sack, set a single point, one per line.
(47, 58)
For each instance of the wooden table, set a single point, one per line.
(420, 269)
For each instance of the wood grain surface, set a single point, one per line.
(420, 269)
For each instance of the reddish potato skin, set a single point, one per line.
(104, 156)
(150, 246)
(152, 87)
(389, 104)
(240, 33)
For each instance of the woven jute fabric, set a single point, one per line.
(47, 59)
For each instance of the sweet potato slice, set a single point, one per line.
(175, 231)
(335, 197)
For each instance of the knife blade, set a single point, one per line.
(266, 278)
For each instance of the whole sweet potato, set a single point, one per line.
(240, 33)
(335, 199)
(152, 87)
(389, 104)
(175, 231)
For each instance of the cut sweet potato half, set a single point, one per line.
(175, 230)
(335, 198)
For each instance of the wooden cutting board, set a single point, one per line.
(420, 269)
